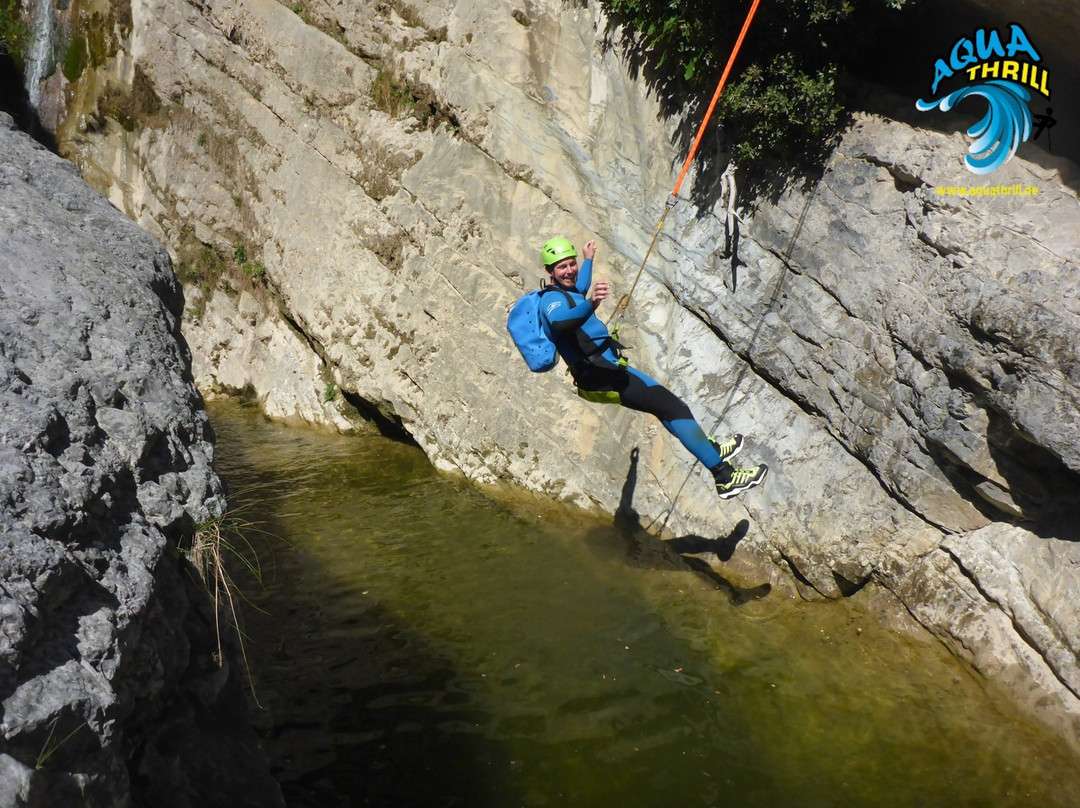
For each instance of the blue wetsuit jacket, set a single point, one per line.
(586, 345)
(577, 332)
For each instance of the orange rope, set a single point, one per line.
(624, 301)
(715, 98)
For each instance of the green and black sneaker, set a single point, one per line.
(729, 448)
(739, 480)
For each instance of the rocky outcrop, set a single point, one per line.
(383, 174)
(110, 688)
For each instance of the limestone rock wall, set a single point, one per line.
(110, 694)
(905, 362)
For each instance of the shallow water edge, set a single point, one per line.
(417, 641)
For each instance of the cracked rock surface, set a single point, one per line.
(109, 690)
(906, 361)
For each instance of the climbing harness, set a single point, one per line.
(624, 302)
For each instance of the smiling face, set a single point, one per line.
(564, 273)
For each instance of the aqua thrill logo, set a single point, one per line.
(1005, 74)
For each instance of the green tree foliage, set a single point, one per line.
(781, 110)
(14, 36)
(782, 100)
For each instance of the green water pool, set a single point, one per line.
(417, 642)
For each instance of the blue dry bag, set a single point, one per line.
(529, 331)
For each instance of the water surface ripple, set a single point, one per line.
(417, 643)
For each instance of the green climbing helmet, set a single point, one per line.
(555, 250)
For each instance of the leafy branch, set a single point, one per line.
(782, 100)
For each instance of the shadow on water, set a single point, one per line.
(422, 644)
(364, 714)
(639, 548)
(356, 708)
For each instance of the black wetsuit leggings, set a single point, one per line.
(638, 391)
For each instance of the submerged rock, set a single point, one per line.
(110, 688)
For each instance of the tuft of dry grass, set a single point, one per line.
(391, 97)
(218, 542)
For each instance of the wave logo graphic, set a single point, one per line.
(1002, 74)
(1006, 125)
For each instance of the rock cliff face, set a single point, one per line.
(379, 177)
(110, 691)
